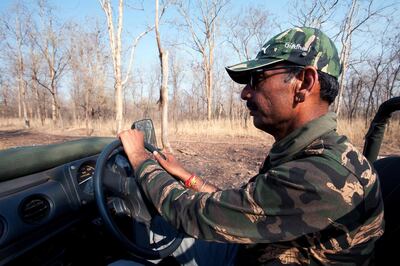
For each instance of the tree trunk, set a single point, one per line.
(119, 106)
(344, 60)
(60, 115)
(210, 77)
(24, 107)
(54, 108)
(87, 112)
(207, 85)
(21, 81)
(115, 45)
(204, 41)
(345, 53)
(19, 101)
(209, 94)
(164, 85)
(164, 101)
(22, 93)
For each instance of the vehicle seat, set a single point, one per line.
(388, 170)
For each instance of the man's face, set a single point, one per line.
(270, 98)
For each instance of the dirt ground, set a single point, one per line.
(21, 137)
(226, 162)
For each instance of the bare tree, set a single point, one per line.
(18, 32)
(353, 21)
(116, 51)
(20, 70)
(392, 76)
(313, 13)
(203, 31)
(88, 72)
(163, 54)
(177, 75)
(35, 63)
(372, 78)
(4, 97)
(379, 65)
(353, 93)
(346, 38)
(49, 40)
(248, 31)
(317, 12)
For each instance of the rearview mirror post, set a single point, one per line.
(146, 125)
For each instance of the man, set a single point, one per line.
(316, 199)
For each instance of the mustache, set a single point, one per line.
(251, 106)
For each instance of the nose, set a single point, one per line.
(246, 92)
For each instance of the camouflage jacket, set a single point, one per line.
(316, 200)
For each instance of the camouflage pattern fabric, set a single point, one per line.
(316, 200)
(301, 46)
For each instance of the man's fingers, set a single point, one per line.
(158, 156)
(123, 132)
(168, 155)
(166, 152)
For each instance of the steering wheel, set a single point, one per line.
(99, 183)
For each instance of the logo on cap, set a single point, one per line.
(293, 46)
(264, 49)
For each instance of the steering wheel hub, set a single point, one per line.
(99, 185)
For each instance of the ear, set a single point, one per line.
(307, 78)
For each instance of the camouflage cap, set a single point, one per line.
(301, 46)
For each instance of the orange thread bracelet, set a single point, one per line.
(191, 181)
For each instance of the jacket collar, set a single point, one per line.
(284, 150)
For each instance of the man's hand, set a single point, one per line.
(171, 165)
(133, 142)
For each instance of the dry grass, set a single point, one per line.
(208, 131)
(356, 131)
(217, 129)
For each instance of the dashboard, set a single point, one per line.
(37, 206)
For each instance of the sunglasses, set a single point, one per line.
(256, 76)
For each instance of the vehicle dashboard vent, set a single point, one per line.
(34, 209)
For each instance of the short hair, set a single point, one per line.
(329, 85)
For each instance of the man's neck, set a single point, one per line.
(303, 117)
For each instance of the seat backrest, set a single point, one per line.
(388, 170)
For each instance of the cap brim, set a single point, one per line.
(240, 73)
